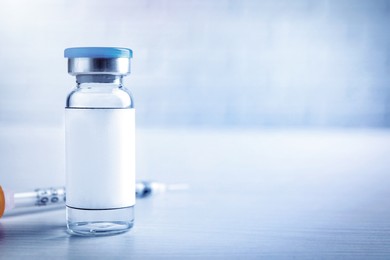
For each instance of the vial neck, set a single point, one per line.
(99, 78)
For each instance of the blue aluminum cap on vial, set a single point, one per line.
(98, 52)
(98, 60)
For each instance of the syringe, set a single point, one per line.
(24, 202)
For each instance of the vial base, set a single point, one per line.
(86, 222)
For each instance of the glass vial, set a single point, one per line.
(100, 143)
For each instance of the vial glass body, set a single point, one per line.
(100, 156)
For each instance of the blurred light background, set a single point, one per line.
(221, 63)
(284, 101)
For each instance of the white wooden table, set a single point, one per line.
(253, 194)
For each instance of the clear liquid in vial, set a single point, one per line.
(100, 170)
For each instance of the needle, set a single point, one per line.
(55, 197)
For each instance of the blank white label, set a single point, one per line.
(100, 158)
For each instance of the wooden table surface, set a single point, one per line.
(299, 194)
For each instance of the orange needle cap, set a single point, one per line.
(2, 202)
